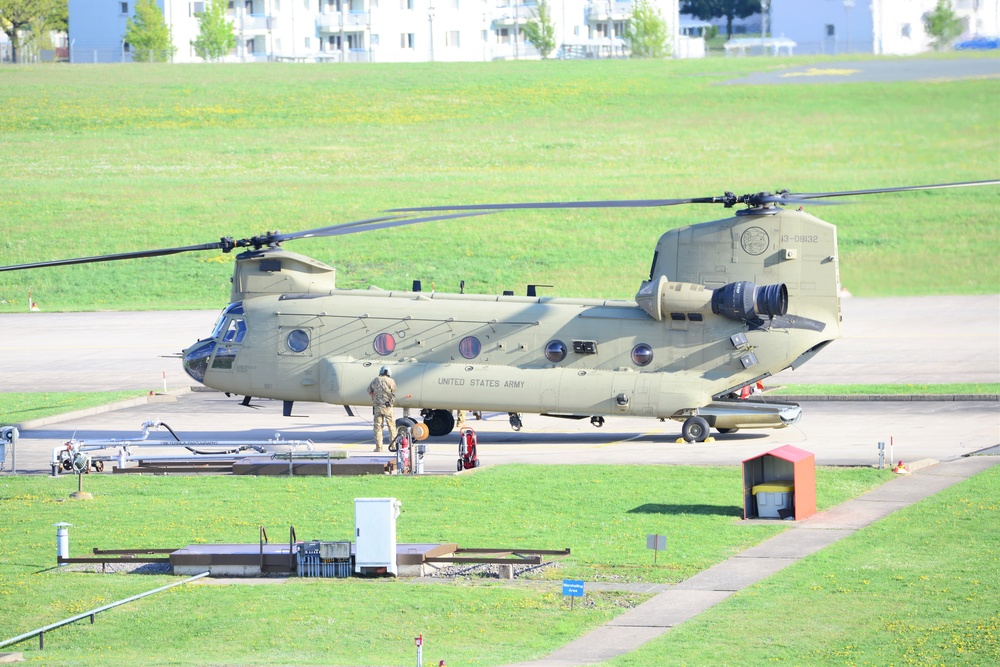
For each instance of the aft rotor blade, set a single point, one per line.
(875, 191)
(611, 203)
(122, 255)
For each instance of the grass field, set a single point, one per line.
(101, 159)
(603, 513)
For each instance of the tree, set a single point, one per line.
(647, 31)
(943, 25)
(540, 31)
(148, 34)
(215, 33)
(18, 17)
(713, 9)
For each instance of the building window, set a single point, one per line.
(194, 8)
(454, 3)
(124, 7)
(486, 35)
(308, 43)
(830, 30)
(277, 44)
(451, 38)
(406, 4)
(503, 36)
(126, 47)
(906, 30)
(374, 40)
(406, 40)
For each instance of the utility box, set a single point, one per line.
(375, 535)
(780, 484)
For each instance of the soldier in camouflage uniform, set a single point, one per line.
(383, 392)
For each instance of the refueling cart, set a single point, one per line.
(467, 457)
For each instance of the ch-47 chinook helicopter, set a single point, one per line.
(727, 303)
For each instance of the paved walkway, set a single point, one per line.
(654, 617)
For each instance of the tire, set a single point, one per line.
(440, 422)
(695, 429)
(476, 464)
(460, 465)
(727, 430)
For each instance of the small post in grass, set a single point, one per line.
(419, 639)
(657, 543)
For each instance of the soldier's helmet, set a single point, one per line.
(385, 371)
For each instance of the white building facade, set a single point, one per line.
(375, 30)
(880, 27)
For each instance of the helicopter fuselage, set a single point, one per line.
(728, 302)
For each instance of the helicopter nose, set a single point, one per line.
(196, 359)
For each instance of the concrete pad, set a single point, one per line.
(796, 543)
(734, 574)
(670, 608)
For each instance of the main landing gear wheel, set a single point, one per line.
(439, 422)
(695, 429)
(727, 430)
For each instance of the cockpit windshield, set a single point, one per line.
(231, 327)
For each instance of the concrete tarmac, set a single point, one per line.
(839, 433)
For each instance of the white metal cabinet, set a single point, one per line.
(375, 534)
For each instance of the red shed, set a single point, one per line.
(779, 484)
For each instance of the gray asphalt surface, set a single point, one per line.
(878, 71)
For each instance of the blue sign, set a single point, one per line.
(572, 588)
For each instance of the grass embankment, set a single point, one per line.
(921, 587)
(603, 513)
(17, 408)
(958, 389)
(122, 158)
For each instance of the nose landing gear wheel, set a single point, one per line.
(438, 422)
(695, 429)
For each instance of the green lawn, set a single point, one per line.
(921, 587)
(102, 159)
(602, 513)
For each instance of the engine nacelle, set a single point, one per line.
(740, 301)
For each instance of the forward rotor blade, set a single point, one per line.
(373, 224)
(909, 188)
(322, 231)
(122, 255)
(611, 203)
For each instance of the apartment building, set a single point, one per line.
(372, 30)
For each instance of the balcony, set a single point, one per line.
(254, 24)
(342, 21)
(600, 11)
